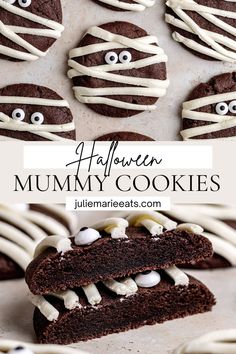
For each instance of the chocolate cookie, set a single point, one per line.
(210, 110)
(206, 27)
(124, 136)
(118, 70)
(110, 276)
(29, 28)
(219, 223)
(20, 231)
(127, 5)
(31, 112)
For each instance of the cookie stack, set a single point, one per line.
(116, 275)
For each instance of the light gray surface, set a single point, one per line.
(185, 71)
(16, 319)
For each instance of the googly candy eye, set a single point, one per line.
(24, 3)
(37, 118)
(125, 57)
(111, 58)
(232, 107)
(86, 236)
(18, 114)
(147, 279)
(20, 350)
(10, 1)
(222, 108)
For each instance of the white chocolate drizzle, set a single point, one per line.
(179, 277)
(138, 86)
(92, 294)
(223, 341)
(45, 131)
(136, 5)
(7, 345)
(214, 45)
(125, 287)
(52, 30)
(216, 122)
(221, 235)
(114, 226)
(61, 244)
(48, 310)
(153, 221)
(70, 298)
(194, 228)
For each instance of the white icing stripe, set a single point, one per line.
(70, 298)
(221, 212)
(142, 86)
(18, 237)
(217, 342)
(219, 122)
(10, 249)
(92, 294)
(179, 277)
(33, 101)
(159, 221)
(61, 243)
(217, 50)
(7, 345)
(191, 228)
(130, 284)
(137, 5)
(113, 226)
(53, 30)
(223, 248)
(117, 287)
(49, 311)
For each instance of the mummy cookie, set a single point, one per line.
(28, 28)
(118, 70)
(223, 341)
(18, 347)
(219, 223)
(127, 5)
(124, 136)
(205, 27)
(112, 279)
(210, 110)
(30, 112)
(21, 229)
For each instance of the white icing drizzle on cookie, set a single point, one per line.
(221, 235)
(216, 122)
(223, 341)
(136, 5)
(43, 130)
(214, 43)
(126, 287)
(92, 294)
(179, 277)
(138, 86)
(153, 221)
(7, 345)
(70, 298)
(60, 243)
(52, 30)
(114, 226)
(196, 229)
(15, 252)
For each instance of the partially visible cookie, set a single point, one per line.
(124, 136)
(32, 112)
(127, 5)
(118, 70)
(210, 110)
(205, 27)
(29, 28)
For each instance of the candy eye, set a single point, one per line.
(86, 236)
(24, 3)
(37, 118)
(18, 114)
(111, 58)
(20, 350)
(222, 108)
(125, 57)
(10, 1)
(232, 107)
(147, 279)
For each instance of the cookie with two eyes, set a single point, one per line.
(118, 70)
(210, 110)
(28, 28)
(116, 275)
(31, 112)
(127, 5)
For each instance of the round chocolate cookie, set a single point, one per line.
(205, 27)
(124, 136)
(118, 70)
(29, 28)
(210, 110)
(126, 5)
(31, 112)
